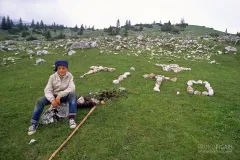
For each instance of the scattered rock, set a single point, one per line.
(95, 69)
(71, 52)
(231, 49)
(30, 52)
(173, 67)
(83, 45)
(32, 141)
(132, 69)
(10, 42)
(121, 77)
(39, 61)
(190, 90)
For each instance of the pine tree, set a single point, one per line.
(20, 24)
(48, 35)
(126, 29)
(37, 25)
(81, 30)
(129, 23)
(93, 28)
(75, 28)
(25, 27)
(41, 24)
(9, 25)
(45, 27)
(160, 23)
(61, 36)
(238, 34)
(12, 23)
(118, 27)
(182, 21)
(126, 25)
(141, 27)
(110, 30)
(32, 24)
(4, 24)
(169, 23)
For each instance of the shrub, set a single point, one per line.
(47, 35)
(135, 29)
(25, 34)
(183, 25)
(175, 30)
(166, 28)
(31, 38)
(60, 36)
(14, 30)
(36, 31)
(148, 25)
(214, 34)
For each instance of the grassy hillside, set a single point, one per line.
(143, 125)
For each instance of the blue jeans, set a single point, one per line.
(71, 98)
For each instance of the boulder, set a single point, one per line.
(30, 52)
(10, 42)
(231, 49)
(118, 37)
(12, 49)
(118, 48)
(140, 37)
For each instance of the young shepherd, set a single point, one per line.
(60, 88)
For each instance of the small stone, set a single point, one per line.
(205, 93)
(132, 69)
(210, 92)
(32, 141)
(115, 81)
(197, 93)
(173, 79)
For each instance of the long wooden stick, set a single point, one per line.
(62, 145)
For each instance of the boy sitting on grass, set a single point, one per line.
(60, 88)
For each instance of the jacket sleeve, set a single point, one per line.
(71, 88)
(49, 90)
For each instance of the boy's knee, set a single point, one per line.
(40, 100)
(72, 94)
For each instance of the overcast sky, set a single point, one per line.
(218, 14)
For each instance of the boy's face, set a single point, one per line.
(62, 70)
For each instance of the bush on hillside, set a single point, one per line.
(60, 36)
(36, 31)
(214, 34)
(25, 33)
(238, 34)
(166, 28)
(31, 38)
(14, 30)
(175, 30)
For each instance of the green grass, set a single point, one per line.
(147, 125)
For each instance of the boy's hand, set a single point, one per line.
(54, 103)
(58, 100)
